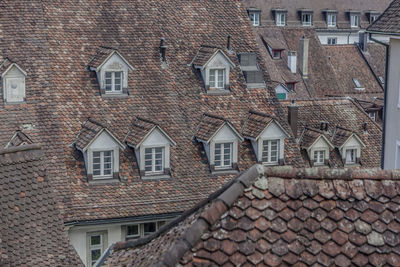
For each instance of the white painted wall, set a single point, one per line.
(342, 38)
(14, 85)
(392, 121)
(156, 139)
(272, 132)
(219, 61)
(321, 144)
(224, 135)
(115, 63)
(352, 143)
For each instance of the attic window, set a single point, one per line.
(354, 20)
(373, 18)
(351, 156)
(112, 71)
(276, 54)
(217, 78)
(13, 82)
(291, 86)
(319, 157)
(357, 84)
(255, 17)
(280, 19)
(331, 19)
(306, 19)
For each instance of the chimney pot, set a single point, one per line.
(163, 50)
(293, 112)
(228, 45)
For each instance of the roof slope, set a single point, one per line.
(284, 216)
(389, 21)
(346, 114)
(31, 228)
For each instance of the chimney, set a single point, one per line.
(163, 50)
(293, 111)
(363, 41)
(304, 47)
(292, 61)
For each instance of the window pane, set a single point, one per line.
(117, 81)
(220, 78)
(132, 230)
(108, 81)
(217, 156)
(212, 78)
(95, 255)
(149, 228)
(95, 240)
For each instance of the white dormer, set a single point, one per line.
(152, 147)
(351, 150)
(112, 71)
(220, 141)
(319, 151)
(215, 67)
(100, 150)
(13, 84)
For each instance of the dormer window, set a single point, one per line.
(267, 137)
(331, 19)
(220, 141)
(252, 74)
(151, 146)
(372, 15)
(112, 71)
(306, 17)
(13, 82)
(276, 54)
(355, 19)
(100, 150)
(254, 14)
(317, 145)
(357, 84)
(280, 19)
(348, 144)
(214, 66)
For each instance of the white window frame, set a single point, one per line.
(255, 18)
(331, 40)
(268, 160)
(355, 155)
(140, 227)
(138, 235)
(217, 78)
(222, 155)
(153, 159)
(373, 18)
(112, 89)
(305, 22)
(317, 156)
(372, 115)
(278, 19)
(354, 20)
(330, 21)
(102, 175)
(101, 246)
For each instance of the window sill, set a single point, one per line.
(218, 92)
(115, 95)
(156, 176)
(103, 181)
(270, 163)
(224, 171)
(256, 85)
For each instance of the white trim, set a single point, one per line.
(122, 146)
(11, 66)
(109, 56)
(149, 133)
(223, 54)
(348, 139)
(231, 127)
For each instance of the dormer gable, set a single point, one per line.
(100, 150)
(151, 145)
(13, 77)
(19, 138)
(112, 71)
(214, 66)
(317, 146)
(349, 145)
(267, 137)
(220, 141)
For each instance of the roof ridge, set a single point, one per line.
(146, 120)
(90, 119)
(19, 149)
(260, 113)
(214, 116)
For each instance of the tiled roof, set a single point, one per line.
(255, 124)
(101, 55)
(209, 125)
(275, 44)
(55, 40)
(345, 113)
(90, 129)
(282, 216)
(375, 55)
(4, 65)
(389, 21)
(341, 135)
(204, 54)
(309, 136)
(31, 228)
(342, 7)
(19, 138)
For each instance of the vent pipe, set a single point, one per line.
(228, 44)
(163, 50)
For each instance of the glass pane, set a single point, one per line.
(149, 228)
(132, 230)
(212, 78)
(220, 78)
(108, 81)
(107, 172)
(95, 240)
(95, 255)
(96, 154)
(158, 149)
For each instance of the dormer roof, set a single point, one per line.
(256, 123)
(91, 129)
(19, 138)
(103, 54)
(274, 43)
(210, 125)
(7, 65)
(342, 135)
(141, 128)
(311, 136)
(206, 53)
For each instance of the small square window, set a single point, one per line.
(332, 40)
(102, 163)
(154, 159)
(372, 115)
(217, 78)
(270, 151)
(373, 18)
(276, 54)
(306, 19)
(255, 18)
(113, 81)
(291, 86)
(280, 19)
(132, 231)
(351, 156)
(319, 157)
(331, 20)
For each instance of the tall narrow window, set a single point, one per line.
(102, 163)
(280, 19)
(223, 155)
(255, 18)
(306, 19)
(354, 20)
(319, 157)
(270, 151)
(217, 78)
(350, 156)
(113, 81)
(95, 248)
(331, 20)
(154, 159)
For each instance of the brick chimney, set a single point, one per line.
(304, 47)
(293, 112)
